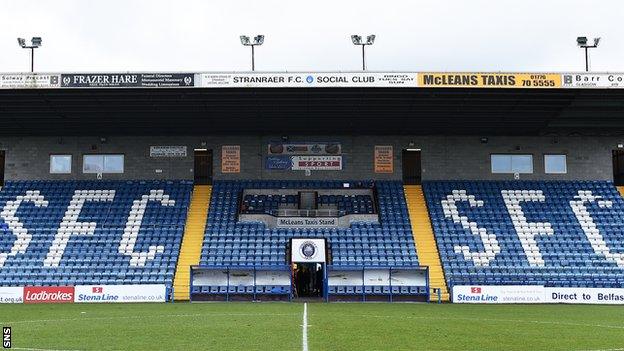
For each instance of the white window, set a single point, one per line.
(103, 164)
(60, 164)
(556, 164)
(502, 163)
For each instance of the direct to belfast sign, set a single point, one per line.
(536, 294)
(584, 295)
(120, 293)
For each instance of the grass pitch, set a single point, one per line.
(334, 326)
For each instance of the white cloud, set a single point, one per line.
(443, 35)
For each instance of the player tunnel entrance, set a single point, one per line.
(308, 260)
(308, 280)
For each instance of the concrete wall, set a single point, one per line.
(442, 157)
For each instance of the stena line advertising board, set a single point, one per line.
(495, 294)
(498, 294)
(120, 293)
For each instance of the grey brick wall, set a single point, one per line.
(442, 157)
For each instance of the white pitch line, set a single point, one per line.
(494, 320)
(304, 327)
(33, 349)
(147, 317)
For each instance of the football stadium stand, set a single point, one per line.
(551, 233)
(91, 232)
(467, 185)
(229, 243)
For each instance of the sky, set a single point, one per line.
(203, 35)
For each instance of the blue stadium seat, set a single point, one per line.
(553, 233)
(229, 243)
(91, 232)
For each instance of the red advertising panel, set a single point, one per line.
(49, 294)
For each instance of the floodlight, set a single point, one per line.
(357, 40)
(257, 40)
(581, 41)
(36, 41)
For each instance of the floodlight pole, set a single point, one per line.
(582, 43)
(36, 42)
(357, 40)
(257, 40)
(363, 59)
(253, 64)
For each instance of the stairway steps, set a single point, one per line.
(424, 239)
(192, 241)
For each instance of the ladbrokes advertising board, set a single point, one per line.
(49, 294)
(489, 80)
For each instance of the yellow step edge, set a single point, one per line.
(424, 239)
(192, 241)
(620, 190)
